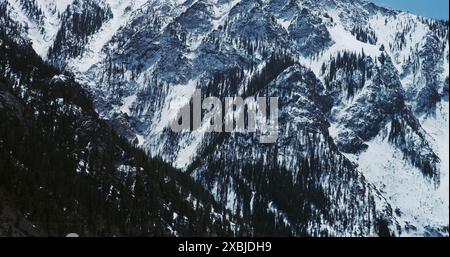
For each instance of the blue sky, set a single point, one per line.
(429, 8)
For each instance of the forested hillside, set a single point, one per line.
(63, 170)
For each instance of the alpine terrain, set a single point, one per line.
(89, 90)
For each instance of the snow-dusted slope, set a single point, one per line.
(122, 10)
(383, 73)
(422, 205)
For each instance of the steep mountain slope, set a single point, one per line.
(63, 170)
(302, 182)
(363, 92)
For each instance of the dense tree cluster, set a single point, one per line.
(439, 27)
(229, 83)
(67, 171)
(399, 135)
(278, 62)
(81, 20)
(348, 63)
(366, 35)
(280, 202)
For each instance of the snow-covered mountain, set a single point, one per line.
(63, 169)
(363, 91)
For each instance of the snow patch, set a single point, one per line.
(128, 103)
(343, 41)
(420, 203)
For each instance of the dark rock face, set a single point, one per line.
(310, 33)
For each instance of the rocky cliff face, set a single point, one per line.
(363, 94)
